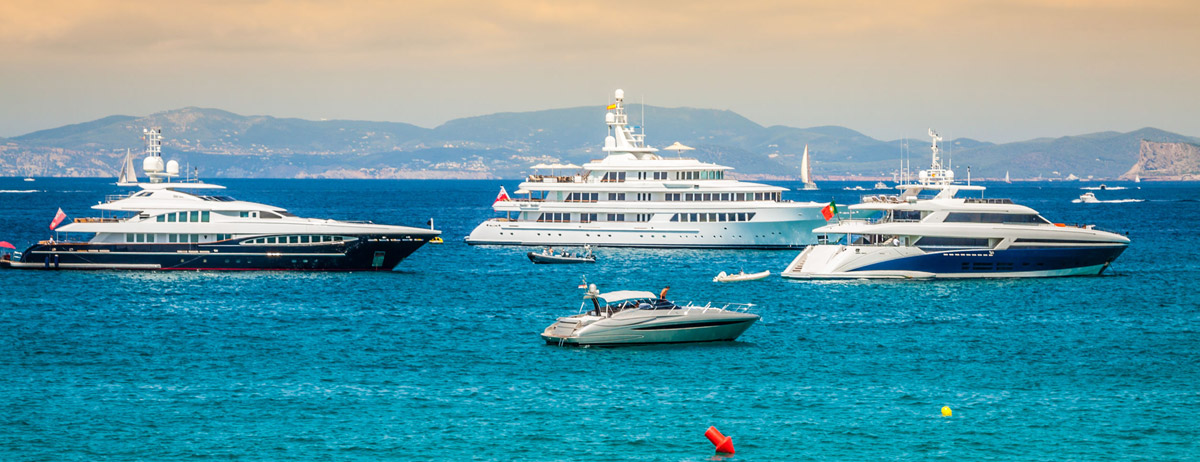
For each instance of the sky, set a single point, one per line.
(990, 70)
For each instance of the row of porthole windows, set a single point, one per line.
(194, 216)
(174, 238)
(711, 217)
(300, 239)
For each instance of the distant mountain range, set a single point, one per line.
(224, 144)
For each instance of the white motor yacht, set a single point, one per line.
(1088, 197)
(175, 225)
(636, 198)
(910, 236)
(630, 317)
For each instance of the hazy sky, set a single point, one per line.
(992, 70)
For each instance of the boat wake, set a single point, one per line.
(18, 191)
(1105, 188)
(1115, 201)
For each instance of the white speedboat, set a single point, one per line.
(909, 236)
(741, 276)
(630, 317)
(1087, 197)
(175, 225)
(634, 197)
(881, 185)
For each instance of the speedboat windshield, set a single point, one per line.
(641, 304)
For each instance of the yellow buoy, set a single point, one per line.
(946, 411)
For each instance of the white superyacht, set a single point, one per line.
(635, 198)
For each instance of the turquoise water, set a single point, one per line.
(440, 360)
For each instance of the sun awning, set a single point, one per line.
(679, 147)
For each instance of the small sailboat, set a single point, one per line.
(741, 276)
(128, 176)
(1006, 179)
(806, 175)
(1137, 178)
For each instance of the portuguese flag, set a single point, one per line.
(830, 210)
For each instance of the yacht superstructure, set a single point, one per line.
(909, 236)
(176, 225)
(635, 198)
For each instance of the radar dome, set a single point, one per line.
(152, 164)
(172, 167)
(610, 117)
(610, 142)
(620, 94)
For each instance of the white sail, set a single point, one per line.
(1006, 180)
(806, 175)
(128, 174)
(805, 169)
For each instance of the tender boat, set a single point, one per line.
(1088, 197)
(635, 197)
(549, 256)
(630, 317)
(174, 225)
(741, 276)
(909, 236)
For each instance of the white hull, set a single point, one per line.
(765, 234)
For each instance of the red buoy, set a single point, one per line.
(723, 443)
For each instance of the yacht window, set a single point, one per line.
(244, 214)
(616, 217)
(128, 237)
(265, 214)
(962, 217)
(304, 239)
(271, 240)
(193, 216)
(171, 217)
(293, 239)
(283, 213)
(160, 218)
(204, 216)
(937, 241)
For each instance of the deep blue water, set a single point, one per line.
(441, 359)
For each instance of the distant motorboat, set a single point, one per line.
(29, 179)
(1088, 198)
(741, 276)
(855, 188)
(548, 256)
(881, 185)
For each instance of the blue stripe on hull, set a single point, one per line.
(982, 261)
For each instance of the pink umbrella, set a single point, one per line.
(6, 245)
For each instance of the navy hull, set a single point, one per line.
(372, 252)
(977, 262)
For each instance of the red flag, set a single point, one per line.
(503, 196)
(58, 218)
(829, 211)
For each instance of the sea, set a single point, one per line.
(440, 359)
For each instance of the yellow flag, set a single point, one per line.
(611, 107)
